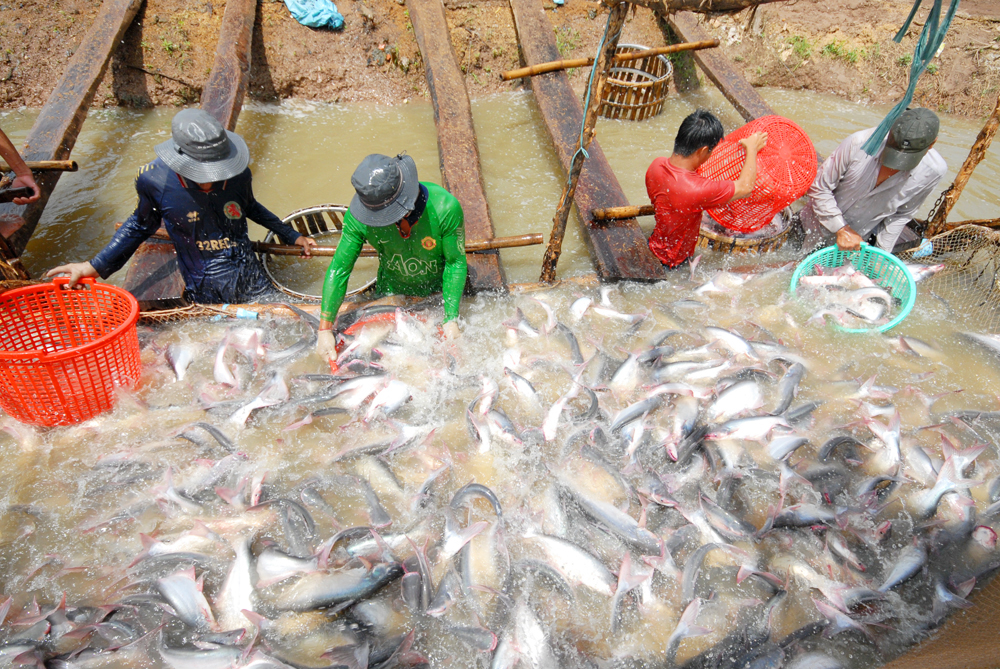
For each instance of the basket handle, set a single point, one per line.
(82, 283)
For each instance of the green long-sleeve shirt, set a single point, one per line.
(432, 258)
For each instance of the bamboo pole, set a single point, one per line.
(616, 19)
(45, 166)
(615, 213)
(938, 221)
(369, 252)
(530, 239)
(557, 65)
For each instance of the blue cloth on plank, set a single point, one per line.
(316, 13)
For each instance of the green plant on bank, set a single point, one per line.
(932, 68)
(838, 49)
(169, 46)
(904, 61)
(567, 39)
(800, 47)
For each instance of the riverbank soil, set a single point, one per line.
(842, 48)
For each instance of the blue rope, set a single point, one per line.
(930, 41)
(586, 99)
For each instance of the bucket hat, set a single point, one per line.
(910, 138)
(386, 189)
(201, 150)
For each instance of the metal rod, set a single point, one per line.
(557, 65)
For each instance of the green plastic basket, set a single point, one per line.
(883, 268)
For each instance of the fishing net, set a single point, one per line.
(968, 281)
(968, 640)
(786, 168)
(164, 316)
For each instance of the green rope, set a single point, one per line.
(930, 41)
(586, 100)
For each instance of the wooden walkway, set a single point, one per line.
(618, 248)
(153, 276)
(459, 152)
(55, 131)
(718, 69)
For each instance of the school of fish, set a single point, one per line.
(678, 475)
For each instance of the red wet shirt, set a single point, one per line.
(679, 197)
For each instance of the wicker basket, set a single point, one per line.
(636, 91)
(769, 238)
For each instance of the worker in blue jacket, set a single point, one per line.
(200, 187)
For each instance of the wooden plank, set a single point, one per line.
(461, 171)
(223, 94)
(717, 67)
(55, 130)
(618, 248)
(153, 274)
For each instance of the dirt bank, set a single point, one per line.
(842, 48)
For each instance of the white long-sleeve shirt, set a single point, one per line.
(844, 192)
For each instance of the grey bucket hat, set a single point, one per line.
(201, 150)
(386, 189)
(910, 137)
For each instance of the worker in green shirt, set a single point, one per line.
(418, 230)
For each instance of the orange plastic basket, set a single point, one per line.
(786, 167)
(63, 352)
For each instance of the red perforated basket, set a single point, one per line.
(63, 352)
(786, 167)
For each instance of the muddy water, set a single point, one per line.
(74, 512)
(304, 154)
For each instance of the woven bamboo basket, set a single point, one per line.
(636, 91)
(769, 238)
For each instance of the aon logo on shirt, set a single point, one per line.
(411, 266)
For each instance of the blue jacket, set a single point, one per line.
(209, 231)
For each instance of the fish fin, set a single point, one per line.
(963, 589)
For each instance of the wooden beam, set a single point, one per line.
(222, 96)
(602, 66)
(719, 70)
(54, 133)
(618, 249)
(458, 149)
(936, 223)
(152, 275)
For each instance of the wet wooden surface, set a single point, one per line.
(223, 94)
(457, 147)
(152, 275)
(55, 131)
(716, 66)
(618, 248)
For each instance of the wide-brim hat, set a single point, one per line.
(910, 138)
(386, 189)
(201, 150)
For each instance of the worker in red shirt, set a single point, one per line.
(679, 194)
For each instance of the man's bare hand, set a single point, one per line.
(848, 240)
(307, 244)
(451, 331)
(754, 142)
(76, 271)
(27, 181)
(326, 344)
